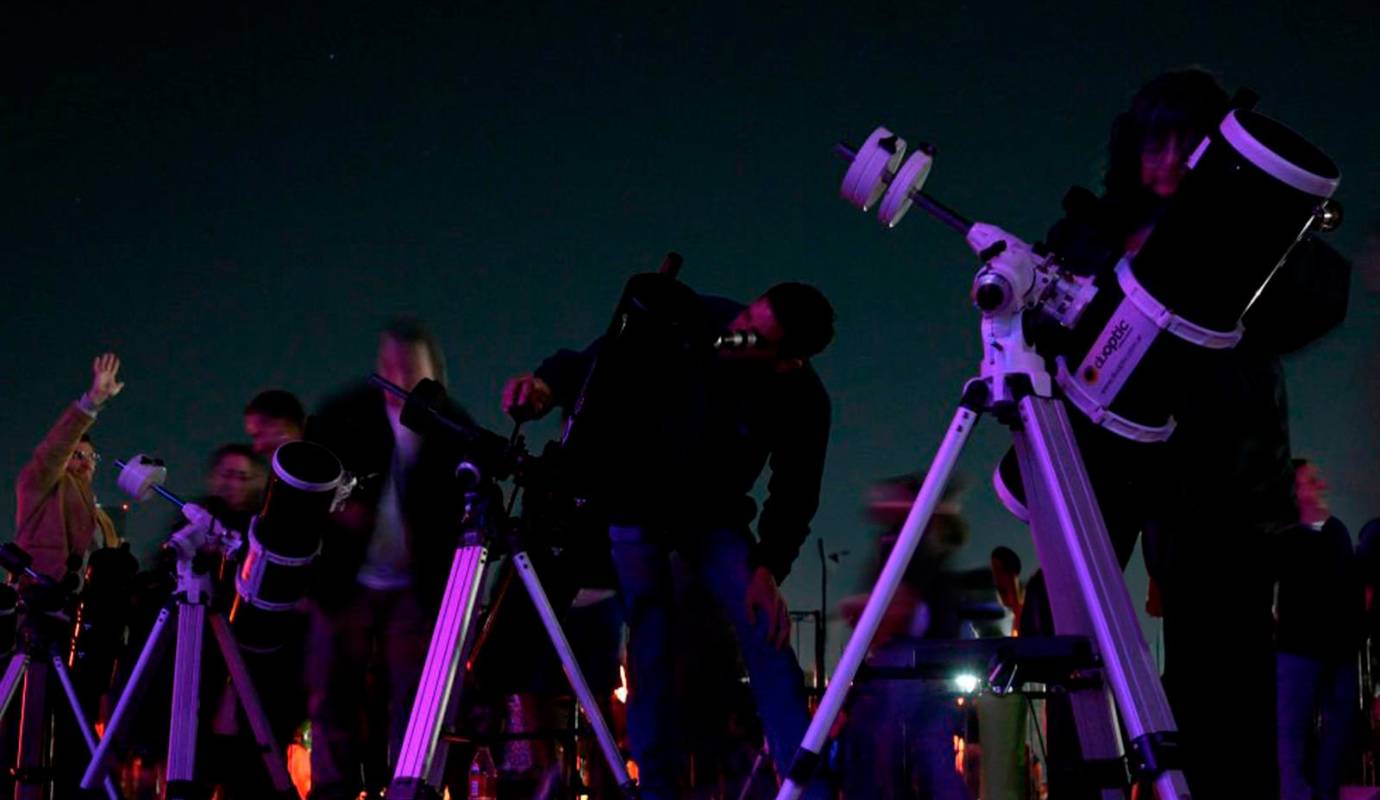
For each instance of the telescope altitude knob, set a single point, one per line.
(873, 164)
(1329, 215)
(907, 182)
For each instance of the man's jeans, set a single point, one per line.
(1309, 688)
(385, 630)
(718, 559)
(899, 742)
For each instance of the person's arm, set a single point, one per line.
(565, 372)
(557, 382)
(797, 468)
(49, 460)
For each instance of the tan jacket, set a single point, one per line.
(57, 514)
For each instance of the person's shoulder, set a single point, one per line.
(1337, 529)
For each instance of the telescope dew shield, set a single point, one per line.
(284, 539)
(1253, 189)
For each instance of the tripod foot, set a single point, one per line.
(411, 789)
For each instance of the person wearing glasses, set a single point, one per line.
(56, 512)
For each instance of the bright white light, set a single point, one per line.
(966, 683)
(622, 691)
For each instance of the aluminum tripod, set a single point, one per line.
(1086, 589)
(189, 608)
(421, 762)
(30, 667)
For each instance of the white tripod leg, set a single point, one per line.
(422, 756)
(14, 675)
(577, 680)
(100, 760)
(806, 760)
(186, 699)
(1088, 596)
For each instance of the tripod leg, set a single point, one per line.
(87, 732)
(1088, 593)
(186, 700)
(31, 773)
(806, 758)
(100, 760)
(491, 618)
(417, 760)
(14, 673)
(588, 702)
(249, 700)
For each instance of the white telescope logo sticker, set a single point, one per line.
(1118, 349)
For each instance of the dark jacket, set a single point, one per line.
(1320, 611)
(354, 425)
(697, 456)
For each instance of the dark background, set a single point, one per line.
(236, 199)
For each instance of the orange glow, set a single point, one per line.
(299, 768)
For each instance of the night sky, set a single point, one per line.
(235, 200)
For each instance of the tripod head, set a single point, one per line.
(1014, 278)
(483, 458)
(480, 454)
(42, 601)
(141, 477)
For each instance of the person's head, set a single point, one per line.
(409, 352)
(273, 418)
(793, 322)
(82, 463)
(1006, 574)
(1311, 491)
(237, 476)
(1005, 562)
(889, 502)
(1152, 140)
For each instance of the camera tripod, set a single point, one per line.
(1087, 593)
(422, 759)
(37, 658)
(189, 609)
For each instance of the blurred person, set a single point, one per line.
(382, 569)
(235, 485)
(899, 733)
(273, 418)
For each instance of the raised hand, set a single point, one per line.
(105, 383)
